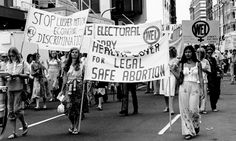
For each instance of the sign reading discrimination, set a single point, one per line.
(128, 38)
(200, 31)
(55, 32)
(107, 64)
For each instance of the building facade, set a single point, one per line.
(225, 12)
(198, 10)
(209, 13)
(173, 12)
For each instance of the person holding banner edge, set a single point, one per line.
(72, 89)
(189, 92)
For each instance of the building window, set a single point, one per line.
(93, 4)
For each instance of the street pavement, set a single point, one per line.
(148, 125)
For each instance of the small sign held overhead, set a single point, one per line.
(200, 32)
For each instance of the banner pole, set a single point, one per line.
(81, 106)
(169, 102)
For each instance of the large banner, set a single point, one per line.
(200, 32)
(107, 64)
(129, 38)
(55, 32)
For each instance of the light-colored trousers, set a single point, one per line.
(189, 93)
(204, 100)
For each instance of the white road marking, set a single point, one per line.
(168, 125)
(140, 87)
(37, 123)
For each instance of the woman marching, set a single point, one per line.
(18, 71)
(170, 87)
(39, 87)
(72, 88)
(54, 68)
(189, 92)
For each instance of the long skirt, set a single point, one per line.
(189, 93)
(39, 88)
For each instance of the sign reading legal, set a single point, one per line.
(200, 31)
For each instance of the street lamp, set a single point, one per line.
(107, 10)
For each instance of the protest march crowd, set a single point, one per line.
(61, 78)
(75, 79)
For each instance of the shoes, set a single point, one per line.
(123, 112)
(188, 137)
(197, 130)
(51, 99)
(166, 110)
(99, 108)
(12, 136)
(75, 132)
(155, 93)
(203, 112)
(44, 107)
(70, 130)
(135, 113)
(172, 113)
(36, 108)
(215, 110)
(25, 129)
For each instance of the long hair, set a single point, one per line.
(29, 56)
(69, 61)
(51, 57)
(194, 56)
(15, 52)
(172, 52)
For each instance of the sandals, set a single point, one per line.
(12, 136)
(70, 130)
(188, 137)
(75, 132)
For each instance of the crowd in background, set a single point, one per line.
(62, 75)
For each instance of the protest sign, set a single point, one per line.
(200, 32)
(127, 38)
(88, 38)
(107, 64)
(55, 32)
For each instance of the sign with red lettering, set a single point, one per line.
(200, 32)
(110, 65)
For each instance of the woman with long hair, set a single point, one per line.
(72, 88)
(39, 87)
(189, 92)
(54, 68)
(18, 70)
